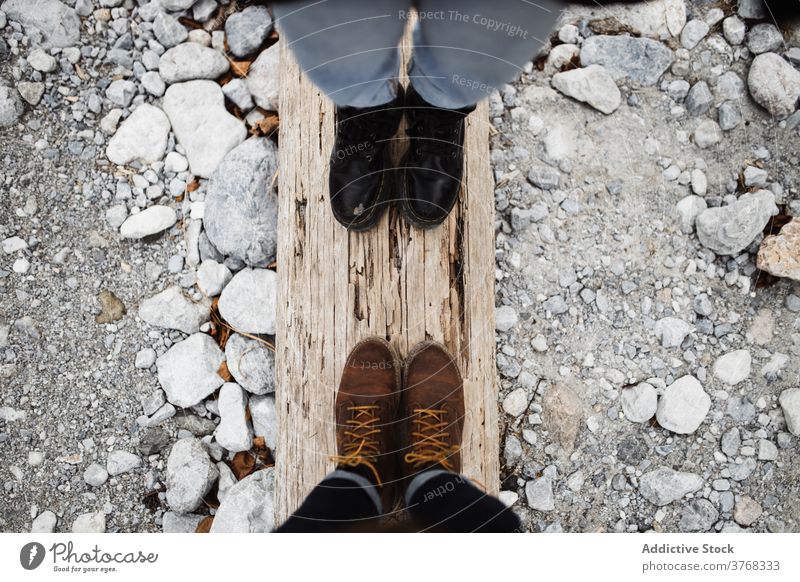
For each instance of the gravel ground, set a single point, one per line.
(630, 210)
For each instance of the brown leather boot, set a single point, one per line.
(431, 411)
(366, 410)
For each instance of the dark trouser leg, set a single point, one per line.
(343, 501)
(448, 502)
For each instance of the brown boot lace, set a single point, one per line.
(429, 445)
(362, 449)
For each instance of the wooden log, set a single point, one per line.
(404, 284)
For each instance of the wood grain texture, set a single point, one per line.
(404, 284)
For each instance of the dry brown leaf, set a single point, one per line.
(205, 524)
(269, 124)
(224, 373)
(240, 68)
(259, 442)
(193, 185)
(243, 464)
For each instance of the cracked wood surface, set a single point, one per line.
(404, 284)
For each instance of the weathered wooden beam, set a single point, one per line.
(404, 284)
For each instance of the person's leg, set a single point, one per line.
(347, 48)
(343, 501)
(468, 48)
(438, 500)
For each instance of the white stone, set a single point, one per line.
(202, 125)
(774, 84)
(539, 493)
(95, 475)
(265, 418)
(212, 277)
(672, 331)
(249, 506)
(663, 485)
(172, 309)
(733, 367)
(592, 85)
(120, 462)
(94, 522)
(45, 522)
(148, 222)
(248, 302)
(516, 402)
(41, 61)
(190, 475)
(233, 432)
(505, 317)
(189, 61)
(263, 78)
(790, 403)
(188, 370)
(251, 363)
(639, 403)
(684, 406)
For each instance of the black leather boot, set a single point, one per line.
(432, 169)
(360, 180)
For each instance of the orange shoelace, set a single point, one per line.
(429, 444)
(362, 448)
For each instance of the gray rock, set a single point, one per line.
(119, 462)
(237, 93)
(233, 432)
(764, 38)
(505, 318)
(592, 85)
(176, 5)
(153, 441)
(190, 61)
(731, 441)
(733, 367)
(248, 303)
(180, 522)
(774, 84)
(190, 475)
(241, 215)
(143, 136)
(747, 511)
(741, 471)
(734, 30)
(671, 331)
(694, 31)
(640, 402)
(171, 309)
(94, 522)
(516, 402)
(767, 450)
(790, 404)
(729, 87)
(539, 494)
(31, 92)
(752, 9)
(555, 305)
(202, 125)
(663, 485)
(45, 522)
(247, 30)
(41, 61)
(11, 107)
(699, 99)
(168, 30)
(265, 418)
(707, 134)
(188, 370)
(544, 177)
(251, 363)
(249, 506)
(212, 277)
(698, 515)
(728, 230)
(154, 84)
(95, 475)
(121, 92)
(263, 77)
(683, 406)
(49, 22)
(641, 60)
(148, 222)
(729, 116)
